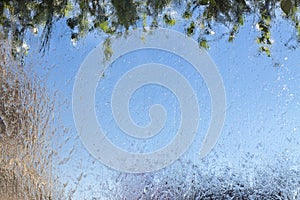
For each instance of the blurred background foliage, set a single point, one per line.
(118, 16)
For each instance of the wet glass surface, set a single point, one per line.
(254, 45)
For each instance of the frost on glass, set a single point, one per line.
(190, 181)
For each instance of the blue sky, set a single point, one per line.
(263, 103)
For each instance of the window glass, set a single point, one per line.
(149, 99)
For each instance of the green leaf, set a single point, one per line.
(104, 26)
(169, 20)
(187, 15)
(241, 20)
(203, 43)
(144, 20)
(266, 50)
(286, 6)
(231, 37)
(203, 2)
(107, 49)
(190, 30)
